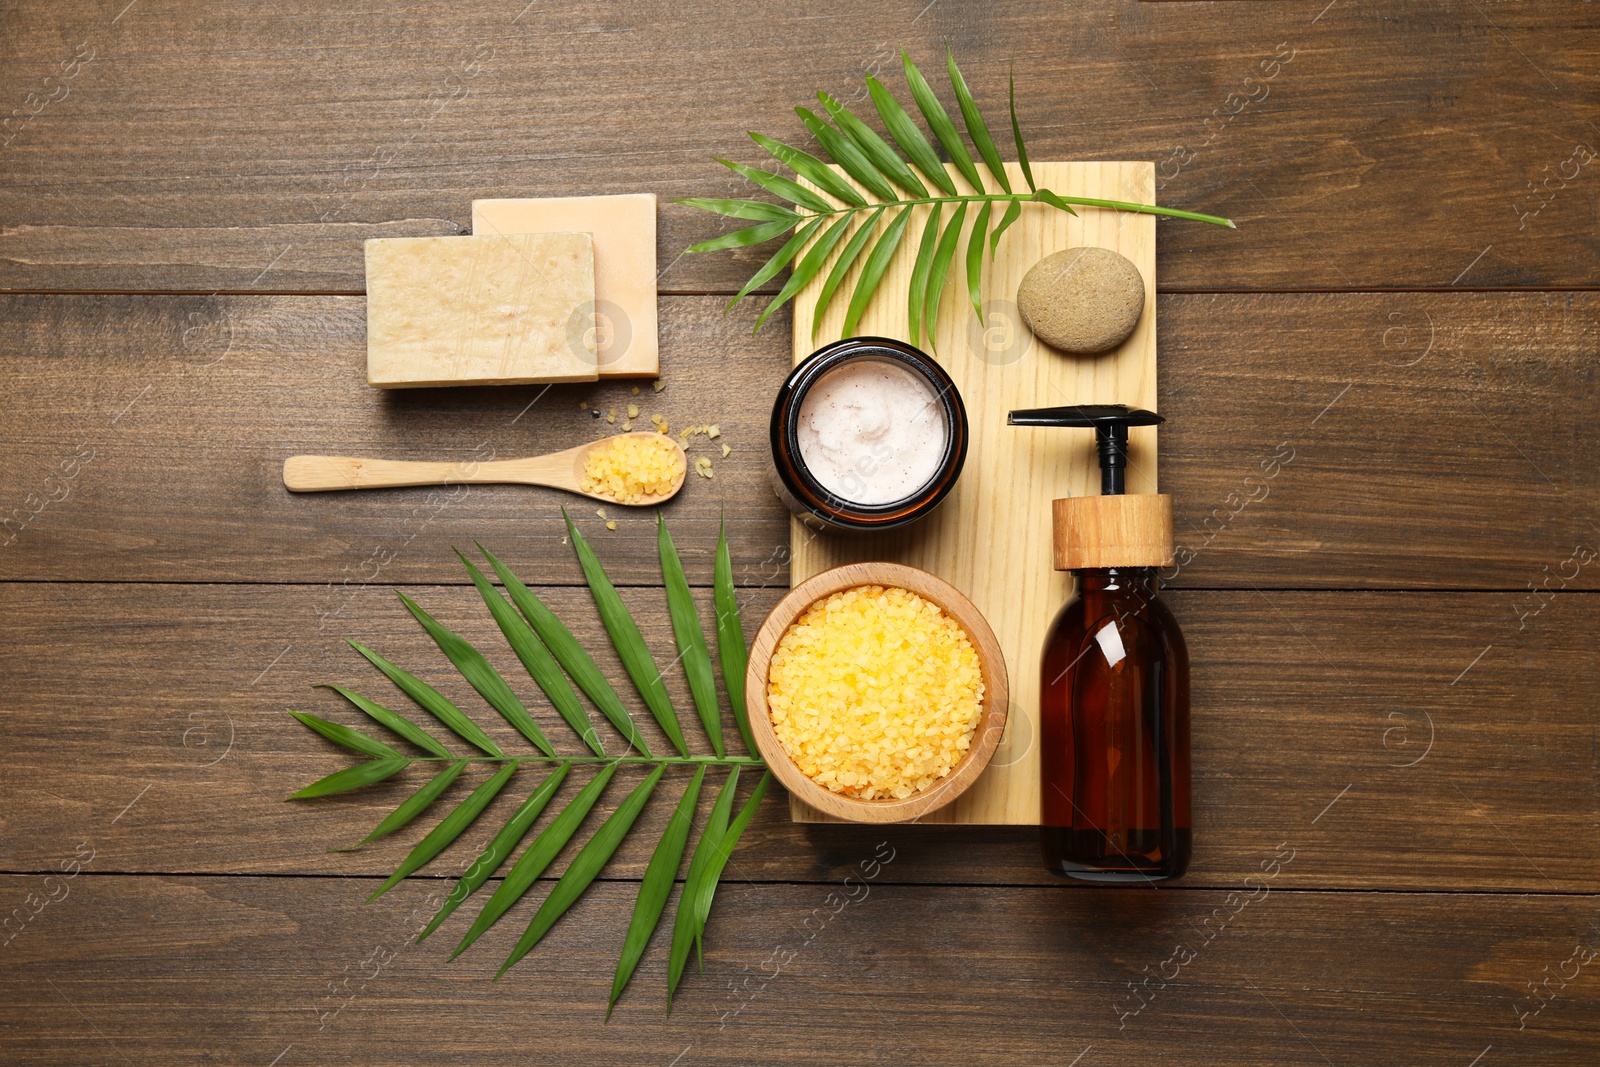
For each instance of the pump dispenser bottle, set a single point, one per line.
(1114, 700)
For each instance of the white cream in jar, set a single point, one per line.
(872, 432)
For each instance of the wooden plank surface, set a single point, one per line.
(1437, 440)
(181, 970)
(992, 537)
(168, 701)
(1395, 632)
(1374, 145)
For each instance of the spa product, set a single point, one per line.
(1082, 300)
(624, 229)
(867, 434)
(870, 431)
(480, 310)
(1114, 696)
(875, 692)
(631, 467)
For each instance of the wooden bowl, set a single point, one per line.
(991, 725)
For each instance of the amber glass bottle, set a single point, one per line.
(1114, 692)
(1114, 733)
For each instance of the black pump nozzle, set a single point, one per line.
(1110, 423)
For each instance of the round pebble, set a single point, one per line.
(1082, 300)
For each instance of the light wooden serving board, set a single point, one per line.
(991, 536)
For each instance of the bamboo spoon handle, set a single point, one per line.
(312, 474)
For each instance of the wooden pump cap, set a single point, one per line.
(1113, 531)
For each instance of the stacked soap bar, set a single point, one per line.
(548, 290)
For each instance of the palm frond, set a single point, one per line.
(540, 664)
(976, 128)
(872, 271)
(452, 827)
(656, 887)
(340, 734)
(557, 663)
(416, 803)
(863, 174)
(627, 640)
(584, 867)
(691, 638)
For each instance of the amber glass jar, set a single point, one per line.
(1114, 733)
(942, 452)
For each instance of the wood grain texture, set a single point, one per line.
(192, 970)
(992, 538)
(1377, 730)
(1368, 145)
(811, 802)
(1112, 531)
(165, 598)
(1420, 440)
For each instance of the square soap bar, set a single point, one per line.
(480, 310)
(624, 229)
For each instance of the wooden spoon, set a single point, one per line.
(558, 470)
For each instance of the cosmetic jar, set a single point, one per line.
(867, 434)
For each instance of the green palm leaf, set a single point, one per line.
(432, 701)
(1012, 214)
(578, 664)
(400, 725)
(361, 774)
(416, 803)
(684, 932)
(583, 869)
(980, 231)
(778, 185)
(504, 843)
(875, 148)
(627, 639)
(691, 638)
(540, 664)
(758, 210)
(1047, 197)
(556, 662)
(940, 271)
(780, 259)
(918, 294)
(908, 136)
(450, 827)
(810, 264)
(841, 267)
(939, 122)
(975, 125)
(812, 169)
(879, 165)
(720, 855)
(872, 271)
(354, 740)
(537, 857)
(847, 155)
(656, 887)
(481, 675)
(1016, 133)
(730, 637)
(753, 235)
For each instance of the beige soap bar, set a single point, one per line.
(624, 229)
(480, 310)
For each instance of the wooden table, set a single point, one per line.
(1394, 646)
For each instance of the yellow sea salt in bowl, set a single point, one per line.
(877, 692)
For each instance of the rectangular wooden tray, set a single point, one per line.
(991, 537)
